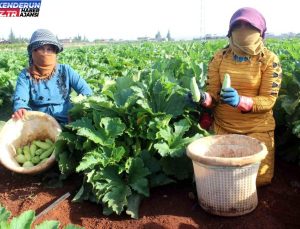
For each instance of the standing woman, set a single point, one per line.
(245, 107)
(46, 85)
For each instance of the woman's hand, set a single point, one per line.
(191, 100)
(19, 114)
(230, 96)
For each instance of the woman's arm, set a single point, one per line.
(78, 83)
(22, 93)
(270, 85)
(213, 81)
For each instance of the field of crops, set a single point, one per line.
(130, 137)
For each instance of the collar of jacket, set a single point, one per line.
(228, 51)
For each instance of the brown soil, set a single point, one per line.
(167, 207)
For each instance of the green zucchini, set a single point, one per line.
(35, 160)
(195, 90)
(20, 158)
(39, 152)
(26, 152)
(43, 145)
(47, 153)
(19, 150)
(27, 164)
(48, 140)
(226, 82)
(32, 150)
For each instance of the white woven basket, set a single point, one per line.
(225, 168)
(36, 126)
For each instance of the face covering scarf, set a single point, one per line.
(43, 65)
(246, 41)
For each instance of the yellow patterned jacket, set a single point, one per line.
(258, 78)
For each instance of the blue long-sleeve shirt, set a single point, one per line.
(50, 96)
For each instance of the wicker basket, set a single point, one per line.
(225, 168)
(37, 125)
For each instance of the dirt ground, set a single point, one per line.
(167, 207)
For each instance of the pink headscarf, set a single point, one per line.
(250, 15)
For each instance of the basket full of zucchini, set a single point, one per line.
(28, 146)
(37, 152)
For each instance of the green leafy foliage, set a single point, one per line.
(122, 137)
(287, 109)
(25, 221)
(11, 63)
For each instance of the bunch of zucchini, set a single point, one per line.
(196, 94)
(34, 153)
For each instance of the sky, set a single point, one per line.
(129, 19)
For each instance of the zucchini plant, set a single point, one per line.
(25, 221)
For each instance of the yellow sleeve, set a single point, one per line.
(270, 85)
(213, 82)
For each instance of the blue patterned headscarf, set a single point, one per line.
(42, 37)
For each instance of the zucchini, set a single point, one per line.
(226, 82)
(27, 164)
(26, 149)
(48, 140)
(19, 150)
(20, 158)
(43, 145)
(42, 161)
(32, 149)
(196, 96)
(47, 153)
(39, 152)
(35, 160)
(26, 152)
(35, 153)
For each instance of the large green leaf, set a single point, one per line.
(137, 174)
(66, 162)
(173, 142)
(23, 221)
(90, 160)
(118, 191)
(178, 167)
(133, 205)
(4, 214)
(289, 104)
(160, 179)
(113, 126)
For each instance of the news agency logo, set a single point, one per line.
(21, 8)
